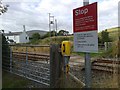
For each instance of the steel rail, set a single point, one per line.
(21, 71)
(27, 45)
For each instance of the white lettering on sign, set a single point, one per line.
(83, 11)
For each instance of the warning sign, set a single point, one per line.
(85, 28)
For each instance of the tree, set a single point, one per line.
(3, 8)
(99, 40)
(105, 36)
(50, 34)
(63, 32)
(53, 33)
(35, 36)
(5, 53)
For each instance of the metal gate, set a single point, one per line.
(29, 61)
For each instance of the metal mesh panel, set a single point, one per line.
(30, 63)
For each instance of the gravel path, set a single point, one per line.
(98, 77)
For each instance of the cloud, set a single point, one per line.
(108, 14)
(35, 14)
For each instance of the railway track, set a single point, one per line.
(102, 69)
(31, 56)
(105, 65)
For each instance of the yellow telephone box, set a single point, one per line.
(66, 48)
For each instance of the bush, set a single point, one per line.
(5, 53)
(113, 51)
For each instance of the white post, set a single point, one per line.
(49, 29)
(0, 61)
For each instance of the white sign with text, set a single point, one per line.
(86, 41)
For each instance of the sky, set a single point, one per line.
(34, 14)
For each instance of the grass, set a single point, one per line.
(55, 40)
(13, 81)
(107, 83)
(92, 55)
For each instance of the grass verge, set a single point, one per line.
(13, 81)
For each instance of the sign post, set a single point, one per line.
(88, 75)
(85, 34)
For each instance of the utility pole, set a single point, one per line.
(87, 61)
(49, 29)
(50, 23)
(24, 28)
(56, 26)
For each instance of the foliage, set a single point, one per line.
(113, 51)
(54, 33)
(99, 40)
(3, 8)
(63, 32)
(5, 52)
(46, 35)
(49, 34)
(56, 40)
(35, 36)
(105, 36)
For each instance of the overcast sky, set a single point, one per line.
(34, 14)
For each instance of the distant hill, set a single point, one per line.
(31, 32)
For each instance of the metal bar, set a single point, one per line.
(6, 64)
(31, 75)
(76, 79)
(36, 71)
(40, 67)
(29, 63)
(5, 68)
(32, 79)
(5, 57)
(39, 77)
(32, 54)
(25, 45)
(25, 75)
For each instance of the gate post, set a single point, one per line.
(10, 59)
(55, 66)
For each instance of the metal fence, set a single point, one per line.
(104, 47)
(33, 65)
